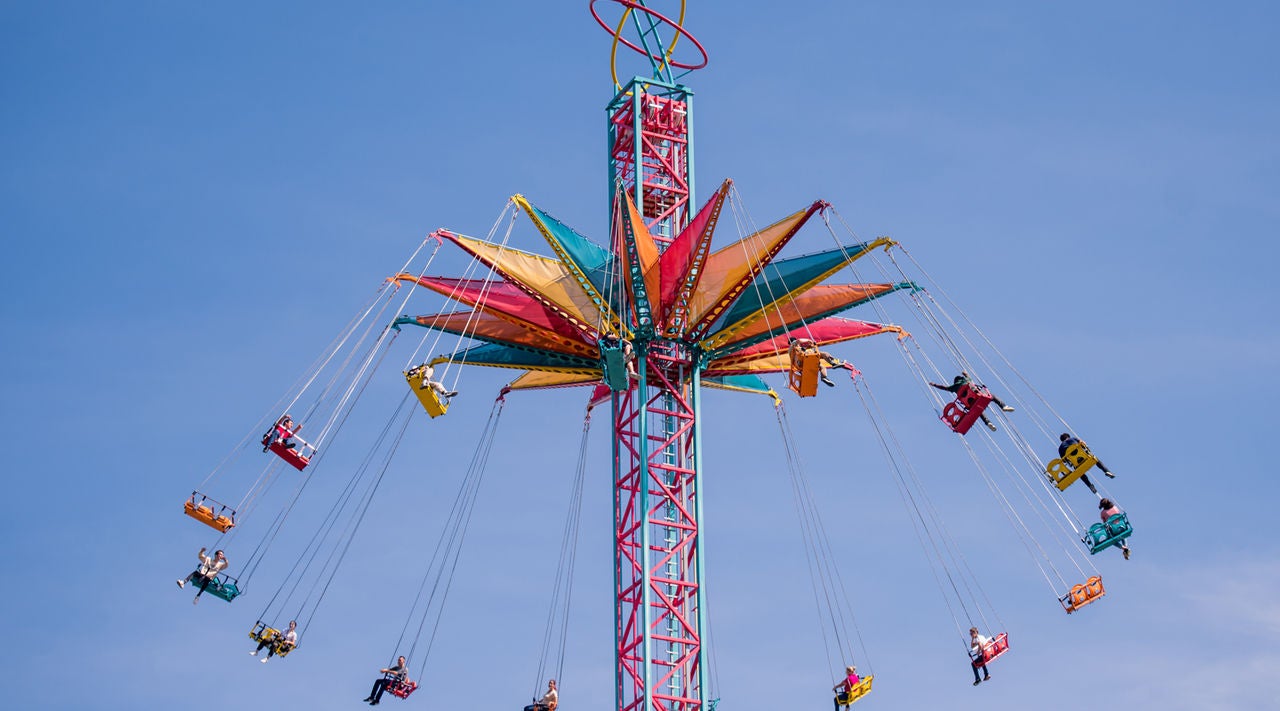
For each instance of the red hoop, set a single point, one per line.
(631, 4)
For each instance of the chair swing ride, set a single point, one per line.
(643, 324)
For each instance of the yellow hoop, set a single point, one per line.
(617, 36)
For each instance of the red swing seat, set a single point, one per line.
(997, 646)
(402, 689)
(274, 441)
(961, 413)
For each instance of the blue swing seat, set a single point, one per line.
(1102, 536)
(614, 365)
(223, 586)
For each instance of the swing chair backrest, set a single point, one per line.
(203, 512)
(857, 692)
(993, 649)
(1071, 466)
(803, 377)
(1081, 595)
(961, 413)
(399, 687)
(1104, 535)
(262, 633)
(614, 364)
(429, 398)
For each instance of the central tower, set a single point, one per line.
(659, 602)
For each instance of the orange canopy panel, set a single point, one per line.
(680, 266)
(545, 279)
(533, 380)
(501, 299)
(730, 269)
(646, 250)
(808, 306)
(494, 329)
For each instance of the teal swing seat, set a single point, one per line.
(1102, 536)
(224, 586)
(614, 364)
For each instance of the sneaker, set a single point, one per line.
(451, 393)
(182, 583)
(1126, 554)
(976, 682)
(1006, 408)
(1109, 475)
(827, 380)
(990, 426)
(195, 600)
(367, 700)
(987, 677)
(264, 659)
(254, 653)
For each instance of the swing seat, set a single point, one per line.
(992, 649)
(289, 454)
(204, 514)
(224, 586)
(402, 689)
(273, 637)
(1075, 462)
(803, 377)
(1102, 536)
(961, 413)
(429, 398)
(1081, 595)
(862, 689)
(614, 364)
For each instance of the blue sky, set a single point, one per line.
(195, 198)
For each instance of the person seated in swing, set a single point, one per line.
(846, 686)
(207, 572)
(549, 700)
(962, 380)
(398, 673)
(282, 431)
(1107, 509)
(279, 643)
(427, 374)
(1065, 442)
(802, 347)
(976, 644)
(613, 340)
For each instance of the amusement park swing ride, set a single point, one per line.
(644, 324)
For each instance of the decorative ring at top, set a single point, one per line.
(666, 58)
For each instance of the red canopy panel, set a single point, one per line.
(502, 299)
(495, 329)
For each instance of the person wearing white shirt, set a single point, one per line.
(977, 642)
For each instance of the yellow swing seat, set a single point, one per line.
(862, 689)
(273, 637)
(429, 398)
(1073, 464)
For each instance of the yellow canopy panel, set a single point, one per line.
(545, 279)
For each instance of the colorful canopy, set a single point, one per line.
(737, 305)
